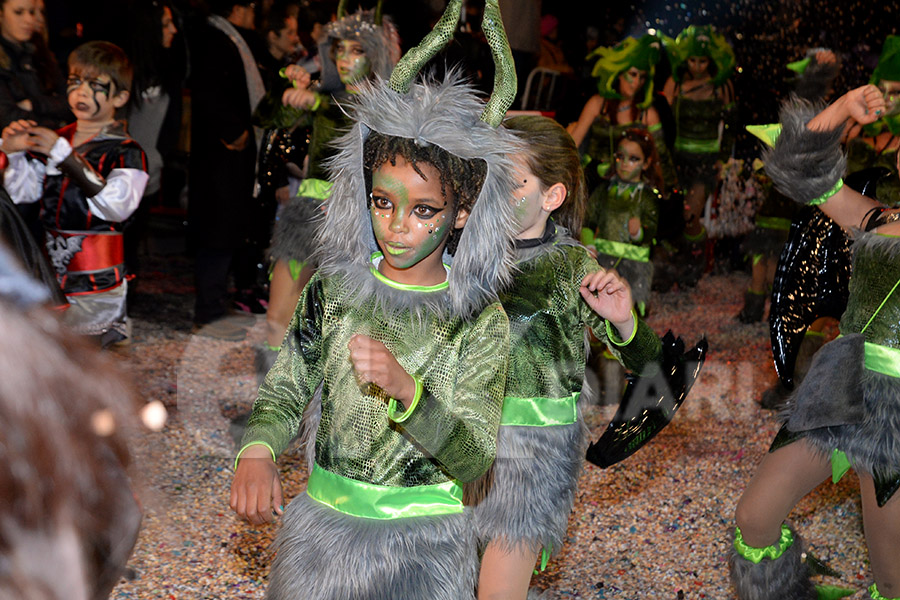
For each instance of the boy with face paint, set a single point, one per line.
(89, 178)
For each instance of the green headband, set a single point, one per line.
(701, 40)
(642, 54)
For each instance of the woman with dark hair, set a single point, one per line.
(28, 89)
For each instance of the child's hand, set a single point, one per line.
(298, 98)
(15, 136)
(825, 57)
(298, 76)
(634, 227)
(374, 363)
(865, 104)
(256, 489)
(610, 297)
(42, 139)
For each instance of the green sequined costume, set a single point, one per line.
(382, 516)
(606, 228)
(542, 436)
(698, 142)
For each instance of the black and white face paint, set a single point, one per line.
(100, 92)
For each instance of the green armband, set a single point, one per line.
(241, 451)
(394, 414)
(824, 197)
(318, 102)
(612, 336)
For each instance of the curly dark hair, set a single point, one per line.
(463, 178)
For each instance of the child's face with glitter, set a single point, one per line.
(411, 219)
(630, 161)
(93, 97)
(352, 63)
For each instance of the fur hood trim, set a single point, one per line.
(380, 42)
(445, 113)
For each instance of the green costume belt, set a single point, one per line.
(697, 146)
(371, 501)
(539, 412)
(319, 189)
(882, 359)
(773, 223)
(623, 250)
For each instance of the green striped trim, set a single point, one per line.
(779, 223)
(755, 555)
(882, 359)
(372, 501)
(245, 446)
(613, 336)
(318, 189)
(697, 146)
(539, 412)
(623, 250)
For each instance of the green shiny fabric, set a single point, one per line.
(416, 57)
(882, 359)
(697, 146)
(876, 595)
(697, 124)
(314, 188)
(623, 250)
(540, 412)
(876, 269)
(756, 555)
(840, 464)
(779, 223)
(450, 435)
(548, 317)
(369, 501)
(861, 155)
(610, 207)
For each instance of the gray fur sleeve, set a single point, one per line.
(804, 164)
(815, 82)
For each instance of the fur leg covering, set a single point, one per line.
(295, 230)
(784, 578)
(804, 164)
(323, 554)
(531, 486)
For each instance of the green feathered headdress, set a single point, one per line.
(889, 62)
(701, 40)
(642, 53)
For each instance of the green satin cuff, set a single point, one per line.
(697, 146)
(623, 250)
(612, 335)
(245, 446)
(539, 412)
(882, 359)
(371, 501)
(755, 555)
(773, 223)
(876, 595)
(318, 189)
(406, 287)
(824, 197)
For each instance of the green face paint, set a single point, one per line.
(629, 161)
(352, 63)
(411, 220)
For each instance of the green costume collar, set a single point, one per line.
(377, 257)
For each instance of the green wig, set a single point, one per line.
(889, 62)
(642, 53)
(701, 40)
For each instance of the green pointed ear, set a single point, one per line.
(799, 66)
(505, 82)
(767, 133)
(415, 58)
(342, 9)
(378, 8)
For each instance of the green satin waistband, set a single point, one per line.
(371, 501)
(623, 250)
(318, 189)
(883, 359)
(773, 223)
(539, 412)
(697, 146)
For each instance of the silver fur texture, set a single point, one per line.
(804, 164)
(294, 236)
(531, 487)
(639, 275)
(445, 113)
(325, 555)
(785, 578)
(817, 79)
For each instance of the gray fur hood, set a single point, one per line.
(445, 113)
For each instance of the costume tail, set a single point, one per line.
(649, 402)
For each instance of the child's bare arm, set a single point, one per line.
(256, 489)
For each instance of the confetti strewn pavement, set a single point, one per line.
(656, 526)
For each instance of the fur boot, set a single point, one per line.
(785, 578)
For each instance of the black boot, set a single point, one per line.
(769, 573)
(754, 306)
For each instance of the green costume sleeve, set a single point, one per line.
(294, 377)
(666, 164)
(457, 419)
(642, 353)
